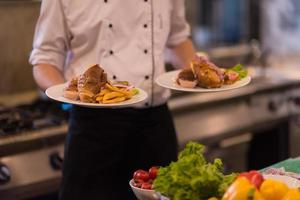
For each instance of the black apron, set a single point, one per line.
(105, 146)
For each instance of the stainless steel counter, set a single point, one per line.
(230, 123)
(211, 117)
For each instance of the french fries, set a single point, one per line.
(111, 94)
(113, 88)
(115, 100)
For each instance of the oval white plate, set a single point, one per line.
(56, 93)
(167, 80)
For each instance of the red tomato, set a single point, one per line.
(153, 172)
(141, 174)
(146, 186)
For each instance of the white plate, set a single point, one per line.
(168, 80)
(56, 93)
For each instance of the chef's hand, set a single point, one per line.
(46, 75)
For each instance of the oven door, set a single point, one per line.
(31, 174)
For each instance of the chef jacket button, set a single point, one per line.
(145, 51)
(111, 52)
(110, 25)
(114, 77)
(147, 104)
(145, 25)
(146, 77)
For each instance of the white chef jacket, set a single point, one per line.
(126, 37)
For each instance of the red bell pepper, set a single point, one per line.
(254, 177)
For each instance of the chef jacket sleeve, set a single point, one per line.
(50, 40)
(180, 29)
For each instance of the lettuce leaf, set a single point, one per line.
(135, 91)
(191, 177)
(240, 70)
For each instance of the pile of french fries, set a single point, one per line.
(112, 94)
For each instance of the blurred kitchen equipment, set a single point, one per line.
(228, 122)
(294, 105)
(32, 128)
(258, 60)
(280, 26)
(221, 22)
(31, 149)
(17, 24)
(228, 56)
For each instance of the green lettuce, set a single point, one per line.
(135, 91)
(191, 177)
(240, 70)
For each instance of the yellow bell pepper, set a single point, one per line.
(273, 190)
(242, 189)
(292, 194)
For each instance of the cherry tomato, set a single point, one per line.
(141, 174)
(146, 186)
(153, 172)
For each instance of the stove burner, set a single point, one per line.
(40, 114)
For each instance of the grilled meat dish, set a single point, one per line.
(90, 83)
(207, 74)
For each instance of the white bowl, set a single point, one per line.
(143, 194)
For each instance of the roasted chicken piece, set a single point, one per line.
(90, 83)
(208, 75)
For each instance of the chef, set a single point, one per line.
(127, 38)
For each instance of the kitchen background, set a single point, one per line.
(249, 128)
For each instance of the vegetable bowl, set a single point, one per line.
(191, 177)
(142, 184)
